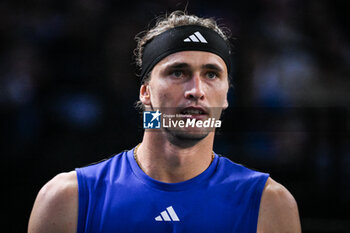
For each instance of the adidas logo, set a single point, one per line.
(196, 37)
(164, 216)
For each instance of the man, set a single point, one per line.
(172, 181)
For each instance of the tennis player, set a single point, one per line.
(172, 181)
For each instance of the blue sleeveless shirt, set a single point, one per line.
(117, 196)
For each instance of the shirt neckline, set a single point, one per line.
(180, 186)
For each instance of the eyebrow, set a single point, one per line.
(211, 66)
(181, 65)
(178, 65)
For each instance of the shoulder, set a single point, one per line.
(56, 206)
(278, 210)
(241, 172)
(96, 169)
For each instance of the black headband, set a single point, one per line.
(184, 38)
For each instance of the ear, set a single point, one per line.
(145, 95)
(225, 104)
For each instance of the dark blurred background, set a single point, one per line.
(68, 84)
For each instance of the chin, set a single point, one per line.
(186, 137)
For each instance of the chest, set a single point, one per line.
(143, 209)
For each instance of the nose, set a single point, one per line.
(194, 89)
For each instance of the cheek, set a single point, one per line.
(221, 92)
(162, 96)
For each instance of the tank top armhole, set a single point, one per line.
(257, 199)
(82, 201)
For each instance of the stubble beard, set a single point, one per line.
(184, 139)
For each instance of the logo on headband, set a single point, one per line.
(196, 37)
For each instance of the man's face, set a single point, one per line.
(188, 83)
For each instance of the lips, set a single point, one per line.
(195, 112)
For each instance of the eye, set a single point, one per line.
(177, 73)
(212, 75)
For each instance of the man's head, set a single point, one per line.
(185, 62)
(175, 19)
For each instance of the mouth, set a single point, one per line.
(194, 112)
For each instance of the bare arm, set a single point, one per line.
(278, 210)
(56, 207)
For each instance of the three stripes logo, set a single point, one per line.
(167, 215)
(196, 37)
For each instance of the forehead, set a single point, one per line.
(192, 58)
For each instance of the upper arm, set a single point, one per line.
(278, 210)
(56, 206)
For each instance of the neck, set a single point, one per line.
(165, 161)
